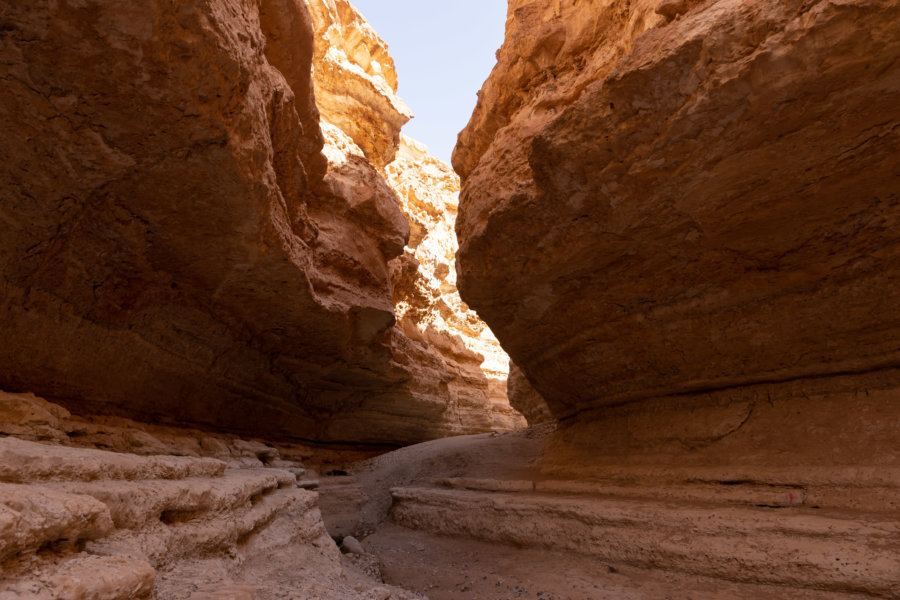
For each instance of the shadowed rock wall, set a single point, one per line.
(177, 245)
(664, 198)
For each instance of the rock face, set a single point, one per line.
(214, 522)
(525, 399)
(674, 197)
(449, 368)
(455, 361)
(664, 520)
(680, 219)
(175, 242)
(173, 253)
(356, 84)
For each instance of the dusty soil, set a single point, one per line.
(447, 568)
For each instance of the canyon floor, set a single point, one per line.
(502, 471)
(100, 507)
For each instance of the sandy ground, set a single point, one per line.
(446, 568)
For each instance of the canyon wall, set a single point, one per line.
(691, 200)
(681, 221)
(449, 368)
(525, 399)
(164, 248)
(176, 243)
(456, 362)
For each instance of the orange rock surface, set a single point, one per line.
(662, 198)
(179, 241)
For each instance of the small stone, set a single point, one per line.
(352, 545)
(380, 593)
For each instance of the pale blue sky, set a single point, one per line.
(443, 51)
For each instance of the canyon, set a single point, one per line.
(638, 342)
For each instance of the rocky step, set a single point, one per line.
(133, 504)
(798, 547)
(162, 516)
(24, 462)
(746, 494)
(451, 567)
(866, 499)
(206, 535)
(84, 577)
(31, 519)
(92, 524)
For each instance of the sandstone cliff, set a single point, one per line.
(355, 80)
(167, 248)
(455, 360)
(670, 197)
(681, 221)
(176, 244)
(450, 370)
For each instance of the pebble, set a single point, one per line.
(352, 545)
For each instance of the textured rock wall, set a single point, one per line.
(671, 197)
(525, 399)
(175, 242)
(169, 246)
(451, 371)
(455, 360)
(356, 84)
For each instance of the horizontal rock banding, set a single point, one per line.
(653, 207)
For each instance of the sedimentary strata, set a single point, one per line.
(176, 243)
(670, 197)
(680, 219)
(93, 509)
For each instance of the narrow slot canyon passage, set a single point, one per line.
(289, 311)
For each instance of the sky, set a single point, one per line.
(443, 51)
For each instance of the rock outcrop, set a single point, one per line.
(454, 360)
(167, 248)
(176, 243)
(448, 368)
(190, 515)
(670, 197)
(680, 220)
(496, 515)
(355, 80)
(525, 399)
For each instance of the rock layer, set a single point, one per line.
(680, 219)
(356, 84)
(453, 358)
(216, 522)
(176, 245)
(664, 198)
(645, 498)
(449, 370)
(170, 255)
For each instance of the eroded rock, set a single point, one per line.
(525, 399)
(86, 523)
(356, 84)
(655, 206)
(448, 371)
(173, 255)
